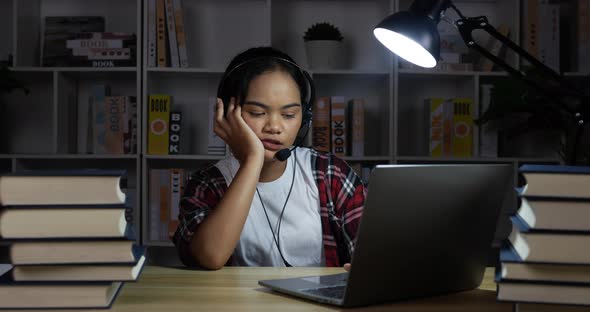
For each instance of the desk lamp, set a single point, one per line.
(413, 36)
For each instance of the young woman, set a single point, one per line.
(252, 209)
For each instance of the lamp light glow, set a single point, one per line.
(405, 47)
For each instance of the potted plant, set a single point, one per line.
(323, 46)
(529, 124)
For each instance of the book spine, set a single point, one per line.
(164, 203)
(103, 53)
(115, 111)
(447, 149)
(99, 93)
(174, 138)
(338, 122)
(435, 121)
(152, 33)
(357, 110)
(158, 117)
(88, 143)
(548, 36)
(583, 35)
(488, 134)
(321, 124)
(127, 126)
(462, 127)
(103, 36)
(530, 28)
(154, 203)
(180, 36)
(494, 46)
(133, 101)
(176, 183)
(215, 145)
(161, 33)
(94, 44)
(171, 27)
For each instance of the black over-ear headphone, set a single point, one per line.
(307, 104)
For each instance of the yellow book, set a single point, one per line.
(436, 129)
(158, 118)
(462, 127)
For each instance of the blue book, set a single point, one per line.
(551, 181)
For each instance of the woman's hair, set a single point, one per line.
(251, 63)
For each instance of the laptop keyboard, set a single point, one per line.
(329, 292)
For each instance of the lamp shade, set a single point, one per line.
(411, 36)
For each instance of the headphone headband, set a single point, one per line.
(309, 92)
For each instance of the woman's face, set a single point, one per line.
(273, 111)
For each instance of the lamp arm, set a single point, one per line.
(467, 25)
(556, 92)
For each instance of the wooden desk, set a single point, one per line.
(237, 289)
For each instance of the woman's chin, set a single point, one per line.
(269, 155)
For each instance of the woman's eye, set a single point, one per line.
(256, 114)
(289, 116)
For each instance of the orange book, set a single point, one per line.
(161, 39)
(321, 124)
(338, 122)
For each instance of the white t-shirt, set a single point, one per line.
(300, 237)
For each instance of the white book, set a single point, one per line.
(94, 43)
(171, 27)
(151, 33)
(548, 35)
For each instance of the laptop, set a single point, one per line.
(426, 230)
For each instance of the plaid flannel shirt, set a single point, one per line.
(341, 196)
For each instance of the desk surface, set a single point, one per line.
(237, 289)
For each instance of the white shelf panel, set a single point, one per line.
(493, 74)
(184, 157)
(73, 69)
(185, 70)
(576, 74)
(367, 158)
(73, 156)
(348, 72)
(426, 72)
(476, 159)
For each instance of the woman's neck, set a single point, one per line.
(272, 170)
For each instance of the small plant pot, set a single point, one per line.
(324, 54)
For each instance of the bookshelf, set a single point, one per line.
(44, 130)
(215, 31)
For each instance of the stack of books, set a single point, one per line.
(82, 41)
(70, 245)
(546, 258)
